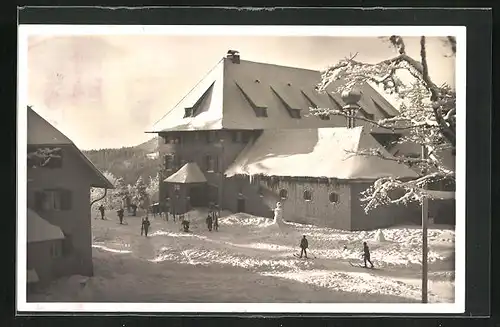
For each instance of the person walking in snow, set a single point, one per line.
(145, 226)
(101, 209)
(134, 209)
(120, 215)
(209, 222)
(366, 255)
(304, 244)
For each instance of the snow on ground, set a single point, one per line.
(250, 260)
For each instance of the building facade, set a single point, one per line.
(229, 111)
(58, 191)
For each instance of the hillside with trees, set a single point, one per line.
(128, 163)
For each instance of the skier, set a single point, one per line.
(101, 209)
(185, 225)
(145, 226)
(303, 246)
(216, 221)
(120, 215)
(366, 255)
(209, 222)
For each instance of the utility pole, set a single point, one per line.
(425, 220)
(221, 168)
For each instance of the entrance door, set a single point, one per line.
(240, 205)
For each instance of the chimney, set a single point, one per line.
(234, 55)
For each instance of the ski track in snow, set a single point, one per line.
(258, 247)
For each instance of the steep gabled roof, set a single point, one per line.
(190, 173)
(323, 152)
(40, 230)
(41, 132)
(235, 93)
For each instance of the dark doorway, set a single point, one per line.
(213, 193)
(198, 196)
(240, 205)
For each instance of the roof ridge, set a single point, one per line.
(281, 66)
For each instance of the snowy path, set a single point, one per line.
(249, 260)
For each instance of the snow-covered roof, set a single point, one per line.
(40, 230)
(41, 132)
(228, 94)
(187, 174)
(323, 152)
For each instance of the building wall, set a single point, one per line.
(319, 211)
(40, 258)
(241, 187)
(74, 175)
(261, 197)
(194, 147)
(380, 217)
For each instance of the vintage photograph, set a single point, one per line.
(240, 168)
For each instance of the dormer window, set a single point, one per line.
(252, 92)
(188, 112)
(294, 113)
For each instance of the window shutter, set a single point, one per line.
(66, 199)
(39, 198)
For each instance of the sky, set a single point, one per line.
(105, 91)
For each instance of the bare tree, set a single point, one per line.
(426, 117)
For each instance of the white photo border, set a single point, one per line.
(26, 30)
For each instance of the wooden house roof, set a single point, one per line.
(43, 133)
(190, 173)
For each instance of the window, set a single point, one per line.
(177, 187)
(237, 136)
(283, 194)
(333, 197)
(210, 163)
(324, 117)
(169, 162)
(172, 139)
(56, 249)
(211, 136)
(67, 245)
(177, 139)
(260, 112)
(294, 113)
(307, 195)
(47, 157)
(188, 112)
(53, 200)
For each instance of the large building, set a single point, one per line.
(243, 116)
(58, 200)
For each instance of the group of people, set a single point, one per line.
(120, 212)
(212, 220)
(304, 245)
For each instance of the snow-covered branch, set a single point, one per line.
(426, 118)
(42, 157)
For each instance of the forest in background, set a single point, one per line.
(128, 163)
